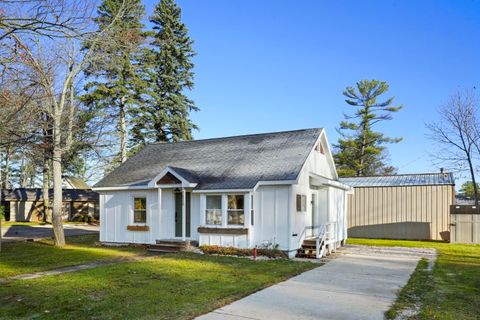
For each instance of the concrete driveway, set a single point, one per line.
(357, 283)
(23, 232)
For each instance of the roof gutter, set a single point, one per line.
(121, 188)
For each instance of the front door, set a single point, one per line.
(178, 214)
(313, 213)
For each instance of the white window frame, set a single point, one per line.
(132, 210)
(226, 211)
(221, 210)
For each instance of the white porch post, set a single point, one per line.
(247, 215)
(184, 214)
(160, 211)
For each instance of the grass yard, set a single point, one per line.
(173, 286)
(27, 257)
(450, 291)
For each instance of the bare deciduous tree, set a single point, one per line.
(53, 65)
(457, 134)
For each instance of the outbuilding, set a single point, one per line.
(404, 206)
(26, 204)
(265, 190)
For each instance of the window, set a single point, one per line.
(139, 210)
(301, 203)
(235, 212)
(251, 210)
(214, 210)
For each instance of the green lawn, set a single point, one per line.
(26, 257)
(450, 291)
(173, 286)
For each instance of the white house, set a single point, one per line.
(272, 189)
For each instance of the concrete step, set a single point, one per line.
(162, 248)
(171, 245)
(178, 243)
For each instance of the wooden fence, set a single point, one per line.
(465, 224)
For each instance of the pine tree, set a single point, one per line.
(114, 78)
(165, 113)
(361, 150)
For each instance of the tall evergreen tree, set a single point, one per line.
(165, 113)
(114, 82)
(361, 150)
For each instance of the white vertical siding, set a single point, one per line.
(271, 216)
(116, 212)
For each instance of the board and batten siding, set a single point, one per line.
(401, 212)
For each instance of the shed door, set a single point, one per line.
(465, 228)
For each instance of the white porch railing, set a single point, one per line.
(325, 235)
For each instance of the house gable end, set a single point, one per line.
(311, 164)
(169, 178)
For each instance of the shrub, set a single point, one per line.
(231, 251)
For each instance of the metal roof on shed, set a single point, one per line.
(421, 179)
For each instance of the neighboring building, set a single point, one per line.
(404, 206)
(26, 204)
(70, 182)
(243, 191)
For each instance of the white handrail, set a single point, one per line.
(325, 234)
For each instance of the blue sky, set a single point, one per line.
(273, 65)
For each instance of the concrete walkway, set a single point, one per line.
(357, 283)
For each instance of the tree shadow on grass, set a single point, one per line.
(174, 286)
(27, 257)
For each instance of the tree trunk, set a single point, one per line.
(22, 179)
(45, 189)
(1, 170)
(57, 180)
(365, 126)
(472, 174)
(7, 167)
(71, 115)
(0, 192)
(123, 132)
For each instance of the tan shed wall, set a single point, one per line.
(413, 212)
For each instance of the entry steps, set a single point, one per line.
(171, 245)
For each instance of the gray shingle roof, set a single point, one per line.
(224, 163)
(421, 179)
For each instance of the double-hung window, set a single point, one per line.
(139, 210)
(213, 212)
(235, 211)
